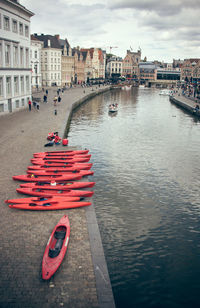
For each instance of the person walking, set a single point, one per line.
(29, 105)
(55, 100)
(38, 106)
(59, 99)
(46, 92)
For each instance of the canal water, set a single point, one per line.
(147, 173)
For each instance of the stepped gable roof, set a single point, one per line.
(64, 42)
(45, 37)
(84, 53)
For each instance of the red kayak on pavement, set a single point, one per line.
(41, 200)
(61, 160)
(47, 178)
(56, 248)
(60, 186)
(43, 156)
(68, 152)
(57, 172)
(34, 206)
(59, 167)
(42, 192)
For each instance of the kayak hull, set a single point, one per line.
(51, 264)
(63, 152)
(41, 200)
(58, 167)
(60, 172)
(48, 192)
(53, 206)
(67, 186)
(47, 178)
(62, 160)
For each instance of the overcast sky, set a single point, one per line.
(164, 30)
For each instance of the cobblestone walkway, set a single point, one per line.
(24, 234)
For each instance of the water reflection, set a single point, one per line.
(146, 163)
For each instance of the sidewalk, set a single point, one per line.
(24, 234)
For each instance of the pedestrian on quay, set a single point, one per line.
(59, 99)
(47, 92)
(29, 105)
(55, 100)
(38, 106)
(34, 104)
(45, 99)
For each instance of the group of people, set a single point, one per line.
(55, 139)
(35, 104)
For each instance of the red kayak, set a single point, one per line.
(63, 156)
(47, 178)
(72, 152)
(71, 167)
(61, 160)
(36, 155)
(42, 200)
(49, 205)
(42, 192)
(55, 186)
(56, 248)
(57, 172)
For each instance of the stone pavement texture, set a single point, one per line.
(24, 234)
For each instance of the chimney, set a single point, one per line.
(57, 36)
(49, 43)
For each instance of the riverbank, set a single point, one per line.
(82, 280)
(185, 103)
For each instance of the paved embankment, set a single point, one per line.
(185, 102)
(80, 281)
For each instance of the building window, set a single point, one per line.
(55, 67)
(36, 68)
(1, 86)
(8, 86)
(55, 76)
(21, 56)
(6, 22)
(55, 60)
(16, 85)
(0, 21)
(21, 30)
(22, 84)
(15, 56)
(35, 54)
(51, 67)
(27, 83)
(27, 57)
(22, 102)
(14, 26)
(17, 104)
(26, 31)
(45, 67)
(45, 60)
(7, 55)
(1, 107)
(1, 55)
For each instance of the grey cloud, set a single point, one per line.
(164, 8)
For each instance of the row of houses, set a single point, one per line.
(54, 62)
(38, 60)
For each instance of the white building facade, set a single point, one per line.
(114, 66)
(50, 60)
(15, 71)
(35, 58)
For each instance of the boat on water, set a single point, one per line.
(126, 87)
(113, 108)
(166, 92)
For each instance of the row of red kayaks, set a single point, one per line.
(52, 184)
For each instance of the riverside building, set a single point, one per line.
(15, 71)
(35, 58)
